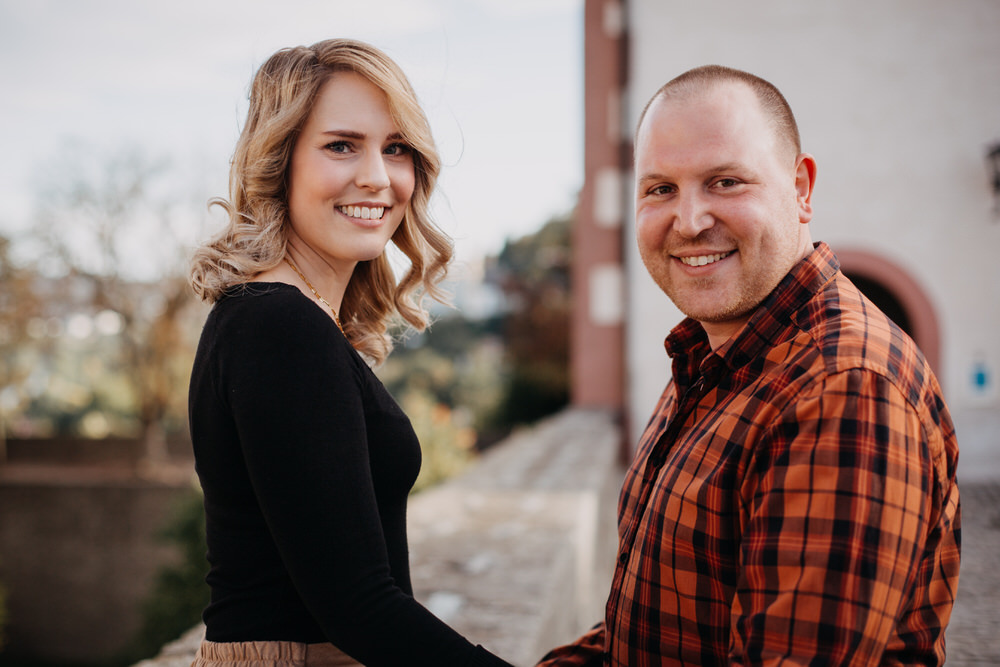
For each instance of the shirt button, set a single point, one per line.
(623, 557)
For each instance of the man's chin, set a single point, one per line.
(722, 314)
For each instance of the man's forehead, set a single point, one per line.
(724, 112)
(705, 109)
(718, 94)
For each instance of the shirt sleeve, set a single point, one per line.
(587, 651)
(295, 393)
(836, 511)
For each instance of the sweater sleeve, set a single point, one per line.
(586, 651)
(295, 390)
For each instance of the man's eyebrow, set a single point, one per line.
(725, 167)
(646, 178)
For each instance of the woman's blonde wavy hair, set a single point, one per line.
(254, 240)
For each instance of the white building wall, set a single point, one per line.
(898, 100)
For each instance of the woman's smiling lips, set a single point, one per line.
(363, 212)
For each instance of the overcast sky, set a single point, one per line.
(501, 81)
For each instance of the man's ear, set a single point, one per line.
(805, 179)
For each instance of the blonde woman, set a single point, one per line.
(304, 458)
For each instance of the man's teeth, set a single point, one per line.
(702, 260)
(363, 212)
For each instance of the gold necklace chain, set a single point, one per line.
(317, 294)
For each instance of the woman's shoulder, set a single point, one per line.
(252, 292)
(260, 326)
(262, 299)
(270, 310)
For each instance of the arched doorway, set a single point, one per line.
(899, 296)
(884, 299)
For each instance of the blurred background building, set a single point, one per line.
(100, 558)
(898, 100)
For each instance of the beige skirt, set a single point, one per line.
(270, 654)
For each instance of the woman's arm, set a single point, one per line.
(295, 391)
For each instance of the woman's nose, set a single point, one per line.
(372, 174)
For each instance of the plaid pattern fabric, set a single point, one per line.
(793, 498)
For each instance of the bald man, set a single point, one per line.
(793, 498)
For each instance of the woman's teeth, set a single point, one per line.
(702, 260)
(363, 212)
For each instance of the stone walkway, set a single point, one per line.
(974, 633)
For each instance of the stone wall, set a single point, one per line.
(115, 453)
(78, 554)
(517, 553)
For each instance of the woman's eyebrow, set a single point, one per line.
(350, 134)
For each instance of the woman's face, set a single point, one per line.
(351, 175)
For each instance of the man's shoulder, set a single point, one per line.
(844, 332)
(848, 332)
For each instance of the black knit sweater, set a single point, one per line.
(306, 463)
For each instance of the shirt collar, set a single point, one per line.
(688, 344)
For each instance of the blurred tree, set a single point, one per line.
(505, 370)
(19, 305)
(180, 593)
(446, 380)
(446, 444)
(534, 274)
(439, 361)
(3, 614)
(109, 230)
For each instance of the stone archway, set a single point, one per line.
(899, 295)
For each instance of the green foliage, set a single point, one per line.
(492, 374)
(456, 366)
(446, 444)
(445, 380)
(180, 592)
(3, 615)
(534, 273)
(100, 343)
(533, 393)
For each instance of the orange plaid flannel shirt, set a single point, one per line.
(792, 500)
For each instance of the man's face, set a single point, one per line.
(721, 204)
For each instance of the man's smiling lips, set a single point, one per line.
(363, 212)
(704, 260)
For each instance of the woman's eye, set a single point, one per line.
(397, 149)
(338, 147)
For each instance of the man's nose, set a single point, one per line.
(693, 215)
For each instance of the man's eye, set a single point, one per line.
(727, 182)
(661, 190)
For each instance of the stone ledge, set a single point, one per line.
(179, 653)
(522, 545)
(517, 552)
